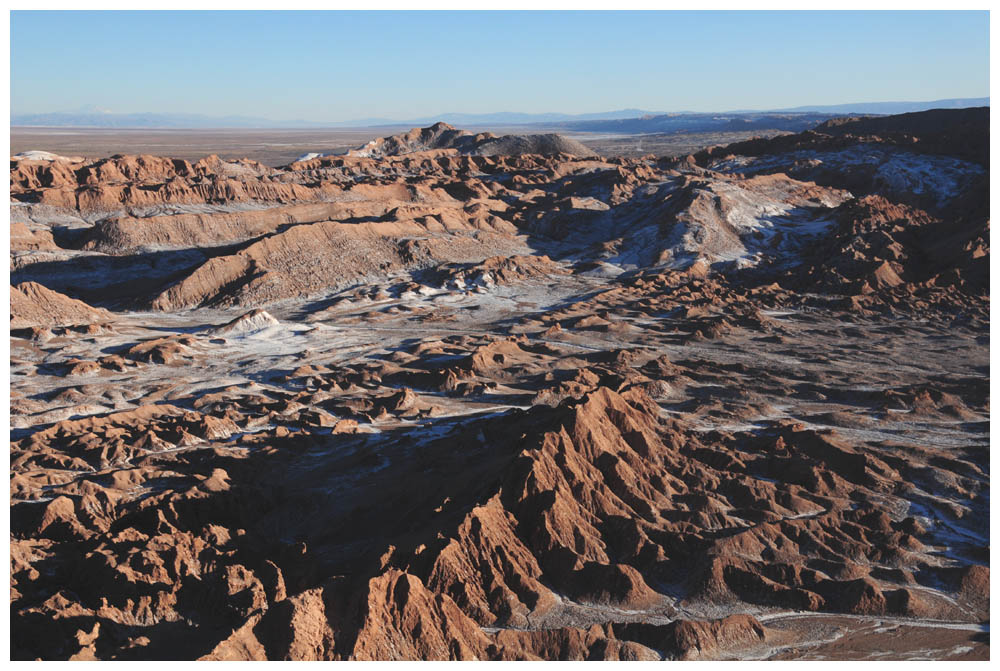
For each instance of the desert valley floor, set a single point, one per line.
(467, 396)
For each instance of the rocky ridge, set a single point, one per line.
(525, 406)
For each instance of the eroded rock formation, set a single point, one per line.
(462, 396)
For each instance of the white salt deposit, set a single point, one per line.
(36, 155)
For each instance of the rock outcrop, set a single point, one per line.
(31, 304)
(442, 137)
(472, 397)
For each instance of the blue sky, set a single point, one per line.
(335, 66)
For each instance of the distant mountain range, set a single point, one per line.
(625, 120)
(91, 117)
(892, 107)
(497, 118)
(698, 123)
(151, 120)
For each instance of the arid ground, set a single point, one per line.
(282, 146)
(476, 396)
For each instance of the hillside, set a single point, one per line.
(460, 396)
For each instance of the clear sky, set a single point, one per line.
(336, 66)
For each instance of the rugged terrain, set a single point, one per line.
(464, 396)
(280, 147)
